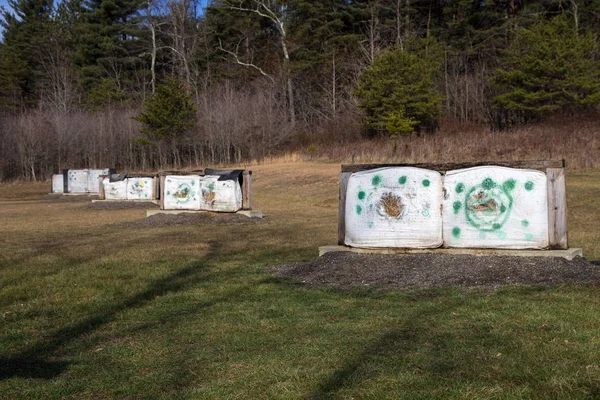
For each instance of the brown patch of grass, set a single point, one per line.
(575, 139)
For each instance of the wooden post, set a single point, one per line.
(557, 208)
(101, 193)
(344, 177)
(162, 192)
(154, 188)
(247, 190)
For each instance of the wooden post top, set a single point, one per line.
(442, 167)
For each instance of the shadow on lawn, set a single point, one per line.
(397, 342)
(37, 361)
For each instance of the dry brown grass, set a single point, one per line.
(300, 200)
(576, 140)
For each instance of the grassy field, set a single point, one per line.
(90, 308)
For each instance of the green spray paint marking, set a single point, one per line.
(456, 232)
(402, 180)
(529, 237)
(502, 235)
(426, 182)
(426, 212)
(509, 185)
(358, 210)
(482, 235)
(529, 186)
(488, 184)
(376, 180)
(488, 206)
(525, 223)
(460, 188)
(361, 195)
(457, 205)
(370, 224)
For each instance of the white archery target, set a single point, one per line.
(77, 180)
(495, 207)
(93, 185)
(58, 183)
(115, 190)
(140, 188)
(182, 192)
(394, 207)
(218, 195)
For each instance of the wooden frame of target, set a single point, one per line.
(522, 203)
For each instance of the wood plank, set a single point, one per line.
(162, 192)
(247, 190)
(442, 167)
(181, 173)
(344, 177)
(101, 192)
(557, 208)
(569, 254)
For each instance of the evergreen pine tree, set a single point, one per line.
(25, 35)
(109, 40)
(396, 93)
(549, 68)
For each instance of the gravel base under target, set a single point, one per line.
(107, 205)
(345, 270)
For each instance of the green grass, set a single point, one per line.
(92, 310)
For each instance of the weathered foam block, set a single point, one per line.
(93, 184)
(58, 183)
(220, 195)
(495, 207)
(394, 207)
(115, 190)
(140, 188)
(182, 192)
(77, 181)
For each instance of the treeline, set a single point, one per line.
(266, 75)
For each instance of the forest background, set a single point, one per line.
(153, 84)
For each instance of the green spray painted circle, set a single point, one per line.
(426, 182)
(488, 206)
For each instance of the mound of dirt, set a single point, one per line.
(109, 205)
(345, 270)
(205, 218)
(61, 198)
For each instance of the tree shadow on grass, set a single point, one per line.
(396, 342)
(38, 362)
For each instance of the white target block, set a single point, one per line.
(495, 207)
(394, 207)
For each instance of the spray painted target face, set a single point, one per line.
(183, 193)
(488, 205)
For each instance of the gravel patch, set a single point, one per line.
(345, 270)
(206, 218)
(61, 198)
(110, 205)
